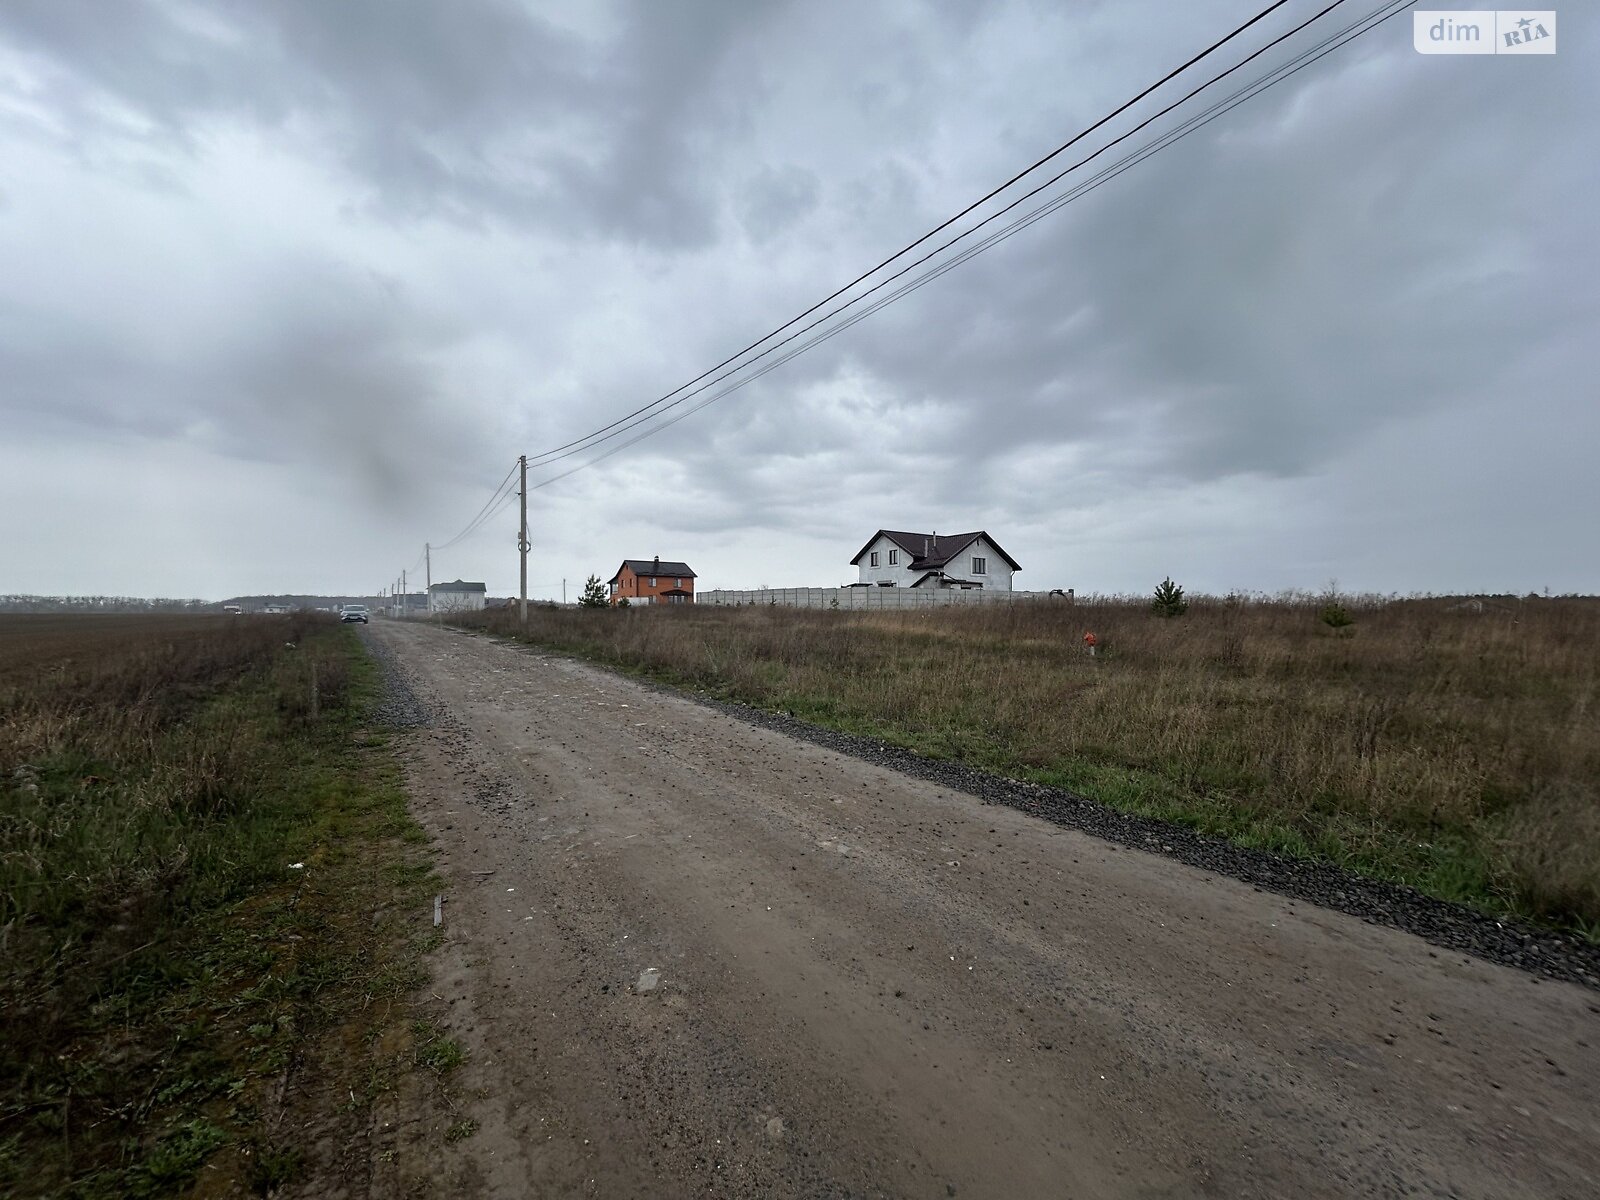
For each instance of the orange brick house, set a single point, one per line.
(651, 581)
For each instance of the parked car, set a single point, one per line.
(354, 612)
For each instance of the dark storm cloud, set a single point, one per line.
(376, 249)
(462, 111)
(320, 366)
(1272, 290)
(337, 370)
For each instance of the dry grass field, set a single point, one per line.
(161, 968)
(1455, 748)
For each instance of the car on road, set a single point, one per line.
(354, 612)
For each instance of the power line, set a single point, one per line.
(1059, 150)
(626, 423)
(498, 501)
(1278, 75)
(483, 514)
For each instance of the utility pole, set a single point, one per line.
(427, 557)
(563, 593)
(404, 602)
(522, 538)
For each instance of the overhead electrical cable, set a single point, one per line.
(483, 513)
(498, 501)
(1367, 23)
(660, 406)
(538, 460)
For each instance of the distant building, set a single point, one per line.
(458, 596)
(409, 604)
(651, 581)
(894, 558)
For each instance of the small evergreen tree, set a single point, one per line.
(1168, 600)
(1336, 616)
(594, 594)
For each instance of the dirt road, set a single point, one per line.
(689, 956)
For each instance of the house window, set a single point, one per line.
(652, 581)
(874, 558)
(980, 566)
(894, 557)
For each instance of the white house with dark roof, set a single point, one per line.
(895, 558)
(456, 596)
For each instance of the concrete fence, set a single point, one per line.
(872, 597)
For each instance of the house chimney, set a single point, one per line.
(658, 564)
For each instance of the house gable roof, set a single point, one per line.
(941, 547)
(649, 566)
(458, 585)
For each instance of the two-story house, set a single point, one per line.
(894, 558)
(651, 581)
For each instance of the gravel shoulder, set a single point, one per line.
(690, 952)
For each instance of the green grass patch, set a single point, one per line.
(434, 1049)
(189, 907)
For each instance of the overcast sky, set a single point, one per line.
(286, 285)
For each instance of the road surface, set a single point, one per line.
(690, 956)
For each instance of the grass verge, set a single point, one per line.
(212, 910)
(1445, 746)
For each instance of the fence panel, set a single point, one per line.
(853, 598)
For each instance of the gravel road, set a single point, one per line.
(692, 955)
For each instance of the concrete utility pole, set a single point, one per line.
(522, 538)
(404, 603)
(427, 557)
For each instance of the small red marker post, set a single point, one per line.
(1089, 643)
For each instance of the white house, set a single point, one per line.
(456, 597)
(894, 558)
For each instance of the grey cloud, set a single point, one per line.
(66, 376)
(775, 199)
(454, 111)
(484, 227)
(336, 369)
(317, 367)
(1268, 299)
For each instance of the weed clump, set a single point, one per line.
(1336, 616)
